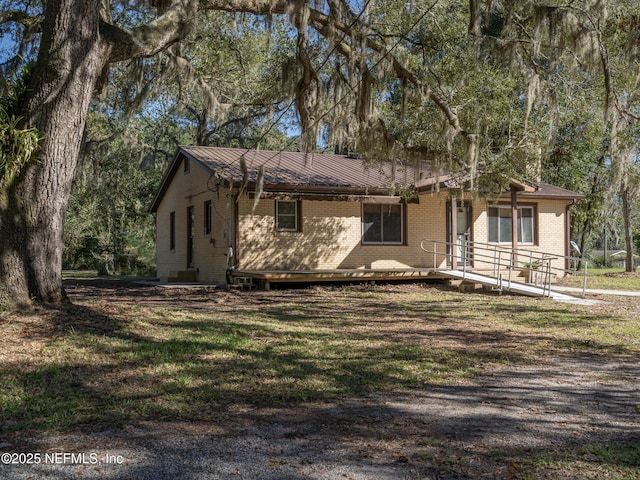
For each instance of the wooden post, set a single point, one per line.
(514, 225)
(454, 233)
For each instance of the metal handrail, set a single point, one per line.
(540, 264)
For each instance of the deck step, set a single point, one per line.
(188, 276)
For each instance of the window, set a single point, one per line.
(172, 231)
(190, 236)
(287, 216)
(207, 217)
(186, 165)
(500, 225)
(382, 223)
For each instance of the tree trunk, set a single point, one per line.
(628, 231)
(70, 59)
(76, 46)
(586, 225)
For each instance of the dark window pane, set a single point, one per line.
(190, 235)
(207, 217)
(286, 215)
(505, 225)
(286, 223)
(392, 223)
(500, 222)
(285, 208)
(381, 223)
(525, 225)
(172, 231)
(371, 223)
(494, 225)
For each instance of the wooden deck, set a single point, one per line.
(264, 278)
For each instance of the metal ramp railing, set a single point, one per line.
(539, 268)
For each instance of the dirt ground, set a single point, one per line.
(556, 420)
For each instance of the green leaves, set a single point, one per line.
(18, 147)
(18, 144)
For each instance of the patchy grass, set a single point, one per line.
(80, 274)
(124, 354)
(111, 360)
(596, 461)
(605, 279)
(593, 462)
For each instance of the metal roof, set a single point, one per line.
(544, 190)
(304, 169)
(327, 173)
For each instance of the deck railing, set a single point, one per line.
(539, 267)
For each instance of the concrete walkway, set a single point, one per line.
(624, 293)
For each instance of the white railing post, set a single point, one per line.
(546, 271)
(496, 268)
(464, 259)
(490, 253)
(435, 255)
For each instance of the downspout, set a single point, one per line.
(567, 235)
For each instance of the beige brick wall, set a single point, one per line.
(210, 261)
(330, 237)
(550, 227)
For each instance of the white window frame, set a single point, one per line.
(295, 215)
(532, 208)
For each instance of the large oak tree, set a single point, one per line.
(78, 43)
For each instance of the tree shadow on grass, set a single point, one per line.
(100, 371)
(277, 351)
(289, 399)
(548, 422)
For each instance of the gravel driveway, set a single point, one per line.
(471, 430)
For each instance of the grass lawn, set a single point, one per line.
(605, 279)
(128, 354)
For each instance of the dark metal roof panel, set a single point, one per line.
(297, 171)
(300, 169)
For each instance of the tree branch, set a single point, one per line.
(321, 23)
(18, 16)
(324, 24)
(256, 7)
(147, 40)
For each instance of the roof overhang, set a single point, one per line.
(519, 186)
(332, 196)
(334, 190)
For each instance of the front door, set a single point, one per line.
(462, 235)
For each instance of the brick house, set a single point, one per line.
(333, 217)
